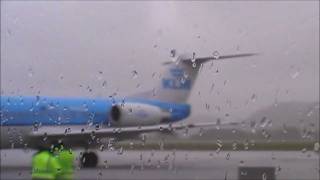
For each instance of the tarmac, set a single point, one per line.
(233, 165)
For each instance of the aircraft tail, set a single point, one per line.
(177, 81)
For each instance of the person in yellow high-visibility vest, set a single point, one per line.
(45, 166)
(66, 160)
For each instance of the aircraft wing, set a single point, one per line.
(60, 132)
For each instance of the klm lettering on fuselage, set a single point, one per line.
(177, 81)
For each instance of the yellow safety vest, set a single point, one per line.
(66, 159)
(45, 166)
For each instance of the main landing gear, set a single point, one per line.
(89, 159)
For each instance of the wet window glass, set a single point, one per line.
(160, 90)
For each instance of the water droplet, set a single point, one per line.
(212, 87)
(228, 156)
(310, 113)
(278, 169)
(132, 168)
(104, 84)
(120, 151)
(263, 122)
(172, 53)
(134, 74)
(253, 97)
(295, 74)
(264, 176)
(246, 144)
(35, 126)
(219, 143)
(193, 60)
(304, 150)
(234, 146)
(144, 138)
(66, 131)
(97, 127)
(161, 145)
(284, 129)
(45, 136)
(9, 32)
(201, 131)
(93, 135)
(186, 131)
(316, 147)
(131, 144)
(243, 173)
(207, 106)
(102, 147)
(89, 89)
(218, 123)
(30, 72)
(154, 92)
(194, 65)
(216, 55)
(105, 164)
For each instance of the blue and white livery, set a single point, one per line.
(41, 121)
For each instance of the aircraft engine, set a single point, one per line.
(136, 114)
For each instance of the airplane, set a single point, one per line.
(41, 121)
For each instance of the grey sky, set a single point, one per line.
(55, 47)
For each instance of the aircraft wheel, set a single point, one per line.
(89, 159)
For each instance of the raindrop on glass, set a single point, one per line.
(120, 151)
(218, 123)
(264, 176)
(316, 147)
(104, 84)
(173, 53)
(45, 136)
(228, 156)
(105, 164)
(30, 72)
(295, 74)
(134, 74)
(253, 97)
(193, 60)
(101, 148)
(216, 55)
(201, 131)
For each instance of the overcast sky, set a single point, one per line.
(60, 48)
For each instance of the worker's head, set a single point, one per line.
(56, 148)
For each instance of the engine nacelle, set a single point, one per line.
(136, 114)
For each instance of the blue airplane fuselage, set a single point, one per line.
(31, 110)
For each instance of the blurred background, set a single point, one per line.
(98, 49)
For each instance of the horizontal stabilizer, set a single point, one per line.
(205, 59)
